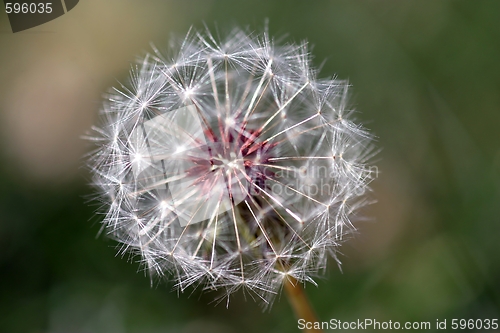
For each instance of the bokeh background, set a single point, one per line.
(426, 80)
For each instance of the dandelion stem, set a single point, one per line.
(300, 304)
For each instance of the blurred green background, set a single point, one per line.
(426, 80)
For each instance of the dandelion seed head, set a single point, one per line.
(227, 164)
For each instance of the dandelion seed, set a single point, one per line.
(229, 165)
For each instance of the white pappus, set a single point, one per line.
(226, 163)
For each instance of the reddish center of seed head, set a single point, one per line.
(237, 155)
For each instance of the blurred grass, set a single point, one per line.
(426, 80)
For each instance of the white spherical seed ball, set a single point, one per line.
(228, 164)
